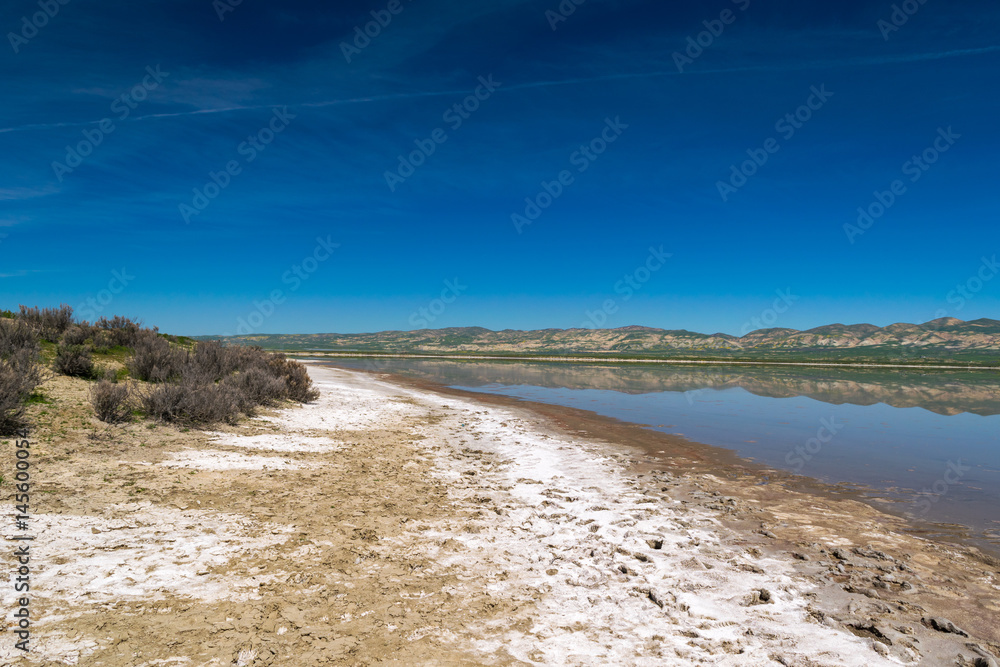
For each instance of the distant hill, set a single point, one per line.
(938, 341)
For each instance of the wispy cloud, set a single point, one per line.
(19, 194)
(245, 88)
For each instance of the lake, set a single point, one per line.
(925, 439)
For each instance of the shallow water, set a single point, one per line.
(925, 440)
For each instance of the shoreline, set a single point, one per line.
(705, 458)
(616, 360)
(786, 519)
(389, 520)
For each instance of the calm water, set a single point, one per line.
(926, 440)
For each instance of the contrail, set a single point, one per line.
(853, 62)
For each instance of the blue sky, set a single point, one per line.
(307, 214)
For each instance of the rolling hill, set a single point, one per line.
(938, 341)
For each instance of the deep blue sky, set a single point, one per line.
(656, 185)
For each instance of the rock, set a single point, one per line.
(983, 657)
(656, 598)
(869, 552)
(943, 625)
(839, 554)
(655, 544)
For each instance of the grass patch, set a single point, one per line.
(38, 398)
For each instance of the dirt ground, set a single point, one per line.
(390, 524)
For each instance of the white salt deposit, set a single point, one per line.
(213, 459)
(347, 402)
(278, 442)
(581, 544)
(140, 551)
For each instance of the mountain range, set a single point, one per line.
(941, 340)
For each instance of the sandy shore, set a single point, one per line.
(388, 523)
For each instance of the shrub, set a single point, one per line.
(75, 361)
(154, 360)
(188, 401)
(297, 381)
(19, 375)
(112, 402)
(122, 331)
(76, 335)
(164, 402)
(217, 361)
(215, 403)
(16, 335)
(257, 387)
(48, 323)
(102, 341)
